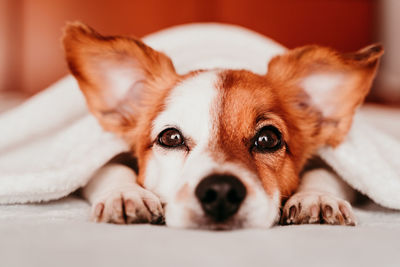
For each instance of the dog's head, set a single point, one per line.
(222, 148)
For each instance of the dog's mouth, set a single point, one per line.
(219, 227)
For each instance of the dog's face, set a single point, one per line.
(222, 148)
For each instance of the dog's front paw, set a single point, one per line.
(316, 207)
(128, 205)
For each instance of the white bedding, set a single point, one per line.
(59, 234)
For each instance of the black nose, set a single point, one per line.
(220, 195)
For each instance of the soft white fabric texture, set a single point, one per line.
(58, 234)
(50, 146)
(369, 160)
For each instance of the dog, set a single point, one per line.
(219, 149)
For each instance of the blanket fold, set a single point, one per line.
(50, 145)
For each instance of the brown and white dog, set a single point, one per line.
(219, 148)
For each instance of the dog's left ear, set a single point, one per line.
(117, 75)
(325, 84)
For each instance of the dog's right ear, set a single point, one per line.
(115, 74)
(325, 87)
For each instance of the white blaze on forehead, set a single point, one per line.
(189, 108)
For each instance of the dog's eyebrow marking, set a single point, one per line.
(273, 119)
(262, 117)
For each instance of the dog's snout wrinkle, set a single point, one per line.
(220, 196)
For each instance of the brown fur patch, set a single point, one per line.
(248, 103)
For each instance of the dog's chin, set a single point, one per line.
(207, 224)
(218, 227)
(196, 221)
(203, 222)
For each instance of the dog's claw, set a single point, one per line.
(327, 211)
(98, 211)
(292, 213)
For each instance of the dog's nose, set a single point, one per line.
(220, 195)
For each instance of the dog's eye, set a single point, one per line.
(170, 138)
(268, 139)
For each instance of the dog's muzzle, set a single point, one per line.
(220, 196)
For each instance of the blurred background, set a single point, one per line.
(31, 57)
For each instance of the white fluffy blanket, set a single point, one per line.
(50, 146)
